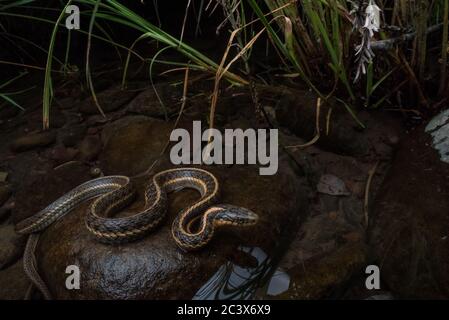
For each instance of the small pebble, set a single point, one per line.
(33, 140)
(60, 154)
(90, 148)
(96, 172)
(393, 140)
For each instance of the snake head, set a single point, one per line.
(233, 215)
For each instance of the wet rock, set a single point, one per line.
(72, 135)
(5, 193)
(332, 185)
(357, 188)
(154, 268)
(297, 111)
(93, 130)
(132, 144)
(341, 133)
(320, 277)
(99, 120)
(90, 148)
(329, 248)
(52, 183)
(409, 230)
(95, 172)
(60, 154)
(147, 102)
(110, 100)
(326, 229)
(34, 140)
(11, 245)
(13, 282)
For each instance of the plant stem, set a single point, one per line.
(444, 49)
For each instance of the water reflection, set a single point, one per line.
(279, 283)
(233, 282)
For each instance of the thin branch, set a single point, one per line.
(389, 44)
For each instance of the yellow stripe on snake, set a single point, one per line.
(114, 193)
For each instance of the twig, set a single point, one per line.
(88, 73)
(317, 129)
(28, 66)
(390, 43)
(181, 111)
(367, 191)
(184, 22)
(328, 120)
(444, 50)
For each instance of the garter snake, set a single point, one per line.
(113, 193)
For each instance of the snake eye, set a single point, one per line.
(235, 215)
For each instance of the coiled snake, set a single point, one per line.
(113, 193)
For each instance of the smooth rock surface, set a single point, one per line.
(154, 267)
(110, 99)
(60, 154)
(71, 136)
(34, 140)
(132, 144)
(148, 102)
(90, 148)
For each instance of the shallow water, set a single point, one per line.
(233, 282)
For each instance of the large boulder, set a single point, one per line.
(153, 267)
(132, 144)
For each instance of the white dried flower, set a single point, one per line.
(367, 22)
(372, 20)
